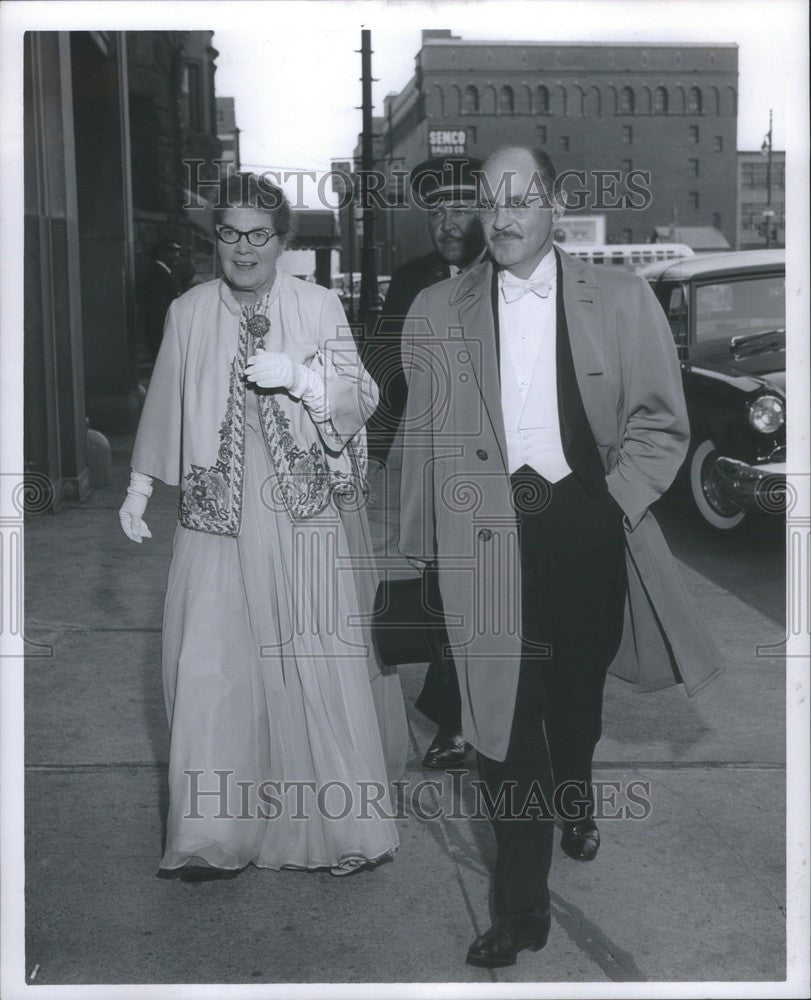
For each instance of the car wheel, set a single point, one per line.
(709, 500)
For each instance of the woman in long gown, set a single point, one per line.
(282, 725)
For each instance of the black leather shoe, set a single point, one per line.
(447, 750)
(499, 946)
(581, 840)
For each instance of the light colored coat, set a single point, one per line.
(456, 501)
(191, 432)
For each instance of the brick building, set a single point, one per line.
(227, 131)
(753, 198)
(109, 118)
(667, 109)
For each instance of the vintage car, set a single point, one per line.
(727, 313)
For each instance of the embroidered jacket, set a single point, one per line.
(192, 429)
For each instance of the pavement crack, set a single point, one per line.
(439, 830)
(617, 964)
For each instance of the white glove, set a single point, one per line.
(271, 370)
(132, 510)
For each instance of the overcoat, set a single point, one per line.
(456, 503)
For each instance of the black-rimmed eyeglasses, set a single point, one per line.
(256, 237)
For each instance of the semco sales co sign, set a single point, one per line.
(447, 142)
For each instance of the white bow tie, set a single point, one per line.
(513, 288)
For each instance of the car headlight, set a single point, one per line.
(767, 414)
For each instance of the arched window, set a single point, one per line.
(660, 101)
(455, 100)
(543, 101)
(471, 105)
(594, 103)
(694, 101)
(626, 101)
(506, 101)
(437, 102)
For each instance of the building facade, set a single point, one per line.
(108, 122)
(761, 190)
(227, 131)
(667, 110)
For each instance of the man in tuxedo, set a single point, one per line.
(160, 289)
(545, 414)
(445, 187)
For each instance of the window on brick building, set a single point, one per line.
(718, 144)
(694, 101)
(543, 100)
(471, 101)
(627, 236)
(627, 166)
(192, 98)
(693, 196)
(749, 210)
(542, 134)
(626, 101)
(660, 101)
(692, 167)
(564, 143)
(627, 134)
(753, 175)
(506, 101)
(693, 133)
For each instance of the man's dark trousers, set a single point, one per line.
(573, 591)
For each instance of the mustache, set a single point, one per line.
(506, 236)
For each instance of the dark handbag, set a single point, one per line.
(408, 622)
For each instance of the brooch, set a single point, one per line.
(258, 325)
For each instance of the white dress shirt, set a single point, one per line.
(529, 396)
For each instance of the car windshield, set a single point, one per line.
(744, 307)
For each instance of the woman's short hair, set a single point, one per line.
(246, 190)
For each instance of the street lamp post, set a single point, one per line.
(766, 150)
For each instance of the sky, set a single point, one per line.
(295, 74)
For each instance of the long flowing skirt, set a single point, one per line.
(275, 754)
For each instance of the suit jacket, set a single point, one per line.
(382, 353)
(455, 496)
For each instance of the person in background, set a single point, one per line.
(160, 288)
(256, 409)
(446, 188)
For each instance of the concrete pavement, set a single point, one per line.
(694, 892)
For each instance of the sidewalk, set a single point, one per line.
(695, 892)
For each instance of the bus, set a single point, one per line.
(630, 255)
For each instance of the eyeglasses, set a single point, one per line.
(515, 208)
(256, 237)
